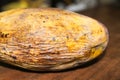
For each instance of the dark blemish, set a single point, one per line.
(67, 37)
(3, 35)
(53, 39)
(14, 57)
(6, 35)
(15, 22)
(75, 39)
(31, 14)
(42, 15)
(30, 46)
(85, 34)
(66, 13)
(100, 30)
(44, 21)
(4, 48)
(58, 52)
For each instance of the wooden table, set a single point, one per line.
(105, 68)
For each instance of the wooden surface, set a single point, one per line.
(106, 67)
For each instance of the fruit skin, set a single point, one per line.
(48, 39)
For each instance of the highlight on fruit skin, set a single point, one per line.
(48, 39)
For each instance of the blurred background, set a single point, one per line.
(73, 5)
(105, 11)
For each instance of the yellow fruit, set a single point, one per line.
(49, 39)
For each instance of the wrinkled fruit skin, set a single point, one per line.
(49, 39)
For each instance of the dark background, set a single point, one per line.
(54, 3)
(106, 67)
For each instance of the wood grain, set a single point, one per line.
(106, 67)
